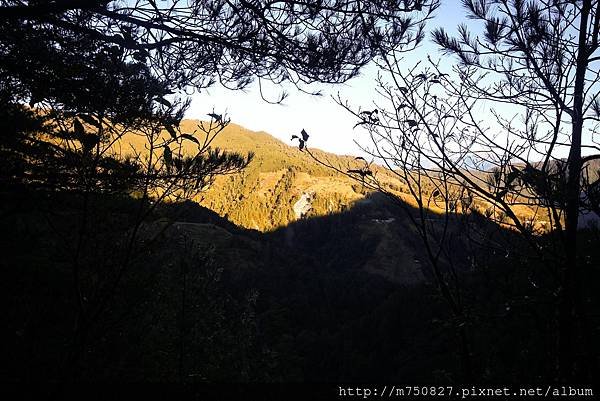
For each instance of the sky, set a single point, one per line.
(330, 126)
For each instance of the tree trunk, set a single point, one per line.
(567, 314)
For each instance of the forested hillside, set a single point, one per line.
(283, 184)
(263, 196)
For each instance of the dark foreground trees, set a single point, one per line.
(200, 42)
(529, 163)
(91, 96)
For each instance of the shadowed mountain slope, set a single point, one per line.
(338, 298)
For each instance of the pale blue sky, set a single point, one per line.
(330, 126)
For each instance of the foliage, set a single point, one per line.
(197, 42)
(88, 96)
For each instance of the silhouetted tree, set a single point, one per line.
(541, 58)
(198, 42)
(120, 62)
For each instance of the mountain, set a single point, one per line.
(282, 183)
(283, 186)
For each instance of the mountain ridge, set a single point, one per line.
(284, 184)
(263, 196)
